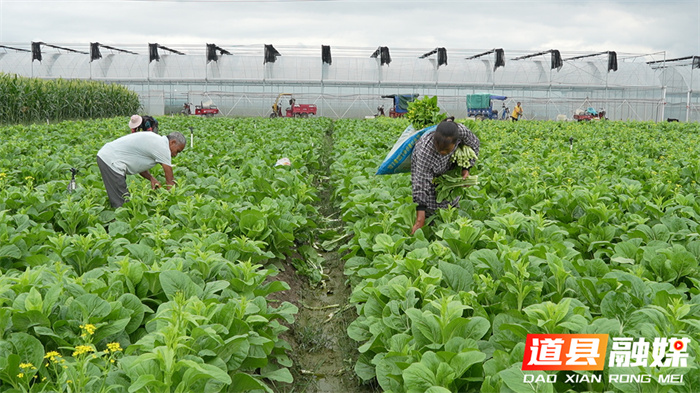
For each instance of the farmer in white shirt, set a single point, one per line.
(137, 153)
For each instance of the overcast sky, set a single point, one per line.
(642, 26)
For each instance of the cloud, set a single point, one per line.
(515, 25)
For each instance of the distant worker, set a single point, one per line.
(137, 153)
(143, 123)
(517, 112)
(431, 158)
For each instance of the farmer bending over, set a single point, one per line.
(430, 159)
(137, 153)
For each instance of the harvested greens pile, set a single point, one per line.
(451, 185)
(424, 112)
(463, 156)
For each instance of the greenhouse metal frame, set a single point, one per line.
(346, 82)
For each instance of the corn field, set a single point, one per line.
(29, 100)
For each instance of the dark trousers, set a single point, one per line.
(115, 184)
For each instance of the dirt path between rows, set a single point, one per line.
(323, 354)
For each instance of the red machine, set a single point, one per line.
(207, 110)
(294, 110)
(589, 114)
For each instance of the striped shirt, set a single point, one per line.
(427, 163)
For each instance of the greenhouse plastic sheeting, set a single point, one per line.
(350, 70)
(243, 85)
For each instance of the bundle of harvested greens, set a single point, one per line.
(424, 112)
(451, 185)
(463, 156)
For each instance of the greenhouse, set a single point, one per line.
(350, 82)
(678, 77)
(234, 249)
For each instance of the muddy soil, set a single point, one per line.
(324, 356)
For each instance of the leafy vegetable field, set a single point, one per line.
(574, 228)
(170, 292)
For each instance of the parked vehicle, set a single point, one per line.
(480, 106)
(400, 104)
(294, 109)
(589, 114)
(505, 112)
(203, 109)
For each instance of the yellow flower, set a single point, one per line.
(20, 375)
(52, 355)
(111, 360)
(81, 349)
(114, 347)
(89, 328)
(26, 365)
(29, 178)
(69, 381)
(2, 175)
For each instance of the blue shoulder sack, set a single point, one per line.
(399, 158)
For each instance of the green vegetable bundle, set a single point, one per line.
(424, 112)
(463, 156)
(451, 185)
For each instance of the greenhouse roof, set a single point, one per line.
(350, 65)
(341, 51)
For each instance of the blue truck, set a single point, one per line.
(400, 104)
(480, 106)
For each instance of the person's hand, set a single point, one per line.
(465, 174)
(416, 227)
(155, 184)
(420, 221)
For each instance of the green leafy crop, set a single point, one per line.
(451, 185)
(175, 291)
(176, 286)
(595, 237)
(424, 112)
